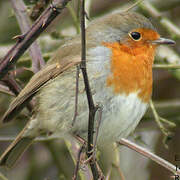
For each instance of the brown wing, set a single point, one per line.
(55, 67)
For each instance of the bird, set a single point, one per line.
(120, 51)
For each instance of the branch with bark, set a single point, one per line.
(25, 40)
(24, 23)
(92, 107)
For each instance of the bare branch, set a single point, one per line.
(166, 66)
(159, 121)
(149, 155)
(76, 96)
(24, 23)
(78, 162)
(124, 142)
(73, 148)
(25, 40)
(100, 108)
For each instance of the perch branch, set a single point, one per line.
(149, 155)
(92, 107)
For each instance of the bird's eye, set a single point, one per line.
(135, 36)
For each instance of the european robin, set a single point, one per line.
(120, 53)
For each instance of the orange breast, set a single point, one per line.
(131, 69)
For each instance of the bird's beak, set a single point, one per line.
(163, 41)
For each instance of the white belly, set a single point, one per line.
(120, 117)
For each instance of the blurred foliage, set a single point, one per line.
(9, 27)
(51, 159)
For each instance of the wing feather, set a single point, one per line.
(37, 81)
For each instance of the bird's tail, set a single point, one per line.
(15, 149)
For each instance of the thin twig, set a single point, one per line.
(134, 5)
(100, 108)
(87, 8)
(76, 96)
(101, 175)
(166, 66)
(39, 139)
(116, 164)
(119, 171)
(108, 174)
(73, 149)
(92, 108)
(158, 120)
(150, 155)
(78, 162)
(24, 23)
(128, 144)
(25, 40)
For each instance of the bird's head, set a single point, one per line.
(129, 28)
(132, 40)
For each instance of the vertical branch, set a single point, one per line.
(76, 96)
(92, 108)
(75, 176)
